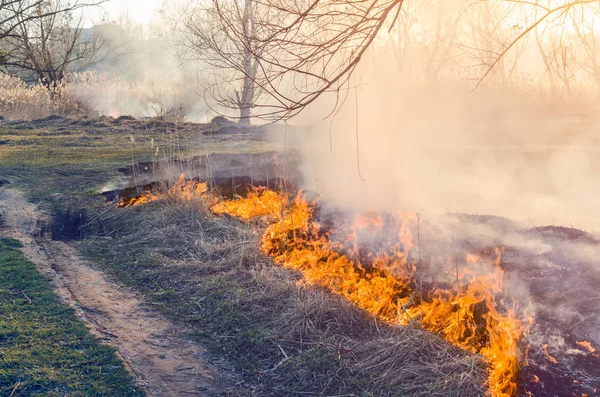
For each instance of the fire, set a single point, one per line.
(259, 202)
(467, 315)
(113, 112)
(383, 279)
(184, 189)
(548, 356)
(587, 345)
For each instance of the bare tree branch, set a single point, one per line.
(41, 39)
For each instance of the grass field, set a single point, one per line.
(62, 163)
(44, 349)
(206, 273)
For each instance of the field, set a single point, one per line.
(254, 328)
(279, 198)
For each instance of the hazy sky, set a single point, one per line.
(139, 11)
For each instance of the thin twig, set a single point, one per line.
(15, 389)
(420, 259)
(356, 131)
(25, 295)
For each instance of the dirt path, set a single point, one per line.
(164, 363)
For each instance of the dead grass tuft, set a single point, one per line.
(406, 361)
(310, 316)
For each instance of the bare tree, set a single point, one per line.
(313, 46)
(542, 12)
(586, 29)
(486, 27)
(424, 39)
(41, 39)
(15, 12)
(222, 35)
(558, 59)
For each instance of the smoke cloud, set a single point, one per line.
(441, 148)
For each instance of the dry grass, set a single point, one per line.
(20, 101)
(207, 273)
(93, 94)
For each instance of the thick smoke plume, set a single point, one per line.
(442, 148)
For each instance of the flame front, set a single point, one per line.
(259, 202)
(383, 281)
(182, 189)
(467, 315)
(587, 345)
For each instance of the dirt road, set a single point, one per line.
(163, 362)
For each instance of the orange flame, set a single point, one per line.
(183, 189)
(548, 356)
(387, 288)
(259, 202)
(468, 314)
(587, 345)
(113, 112)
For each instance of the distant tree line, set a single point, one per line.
(270, 59)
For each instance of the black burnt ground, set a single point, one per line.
(69, 224)
(564, 283)
(226, 174)
(551, 271)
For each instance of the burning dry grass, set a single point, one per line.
(384, 284)
(288, 339)
(182, 189)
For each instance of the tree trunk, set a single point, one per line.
(247, 100)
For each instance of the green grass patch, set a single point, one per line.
(64, 164)
(44, 349)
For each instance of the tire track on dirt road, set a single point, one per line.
(163, 361)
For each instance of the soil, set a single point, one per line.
(155, 351)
